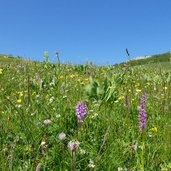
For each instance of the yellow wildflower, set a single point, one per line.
(61, 77)
(121, 97)
(138, 84)
(138, 90)
(154, 129)
(18, 100)
(72, 76)
(169, 166)
(20, 94)
(1, 71)
(165, 88)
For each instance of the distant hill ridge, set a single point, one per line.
(142, 60)
(7, 58)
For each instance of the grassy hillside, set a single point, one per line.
(84, 117)
(8, 59)
(160, 58)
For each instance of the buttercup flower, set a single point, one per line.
(19, 100)
(154, 129)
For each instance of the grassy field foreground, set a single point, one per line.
(84, 117)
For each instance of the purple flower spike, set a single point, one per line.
(81, 110)
(142, 113)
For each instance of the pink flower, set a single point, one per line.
(62, 136)
(47, 122)
(73, 145)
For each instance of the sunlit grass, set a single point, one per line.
(38, 103)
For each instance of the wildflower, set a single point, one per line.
(43, 143)
(142, 113)
(62, 136)
(28, 148)
(121, 97)
(47, 122)
(43, 146)
(135, 145)
(169, 166)
(51, 99)
(73, 145)
(19, 97)
(57, 115)
(1, 71)
(138, 90)
(165, 88)
(20, 94)
(154, 129)
(61, 77)
(91, 164)
(19, 100)
(137, 85)
(82, 151)
(81, 110)
(52, 83)
(120, 169)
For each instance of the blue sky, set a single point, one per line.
(80, 30)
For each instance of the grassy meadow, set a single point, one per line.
(39, 122)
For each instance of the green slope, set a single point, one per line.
(7, 59)
(162, 59)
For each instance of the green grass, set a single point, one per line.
(159, 58)
(109, 136)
